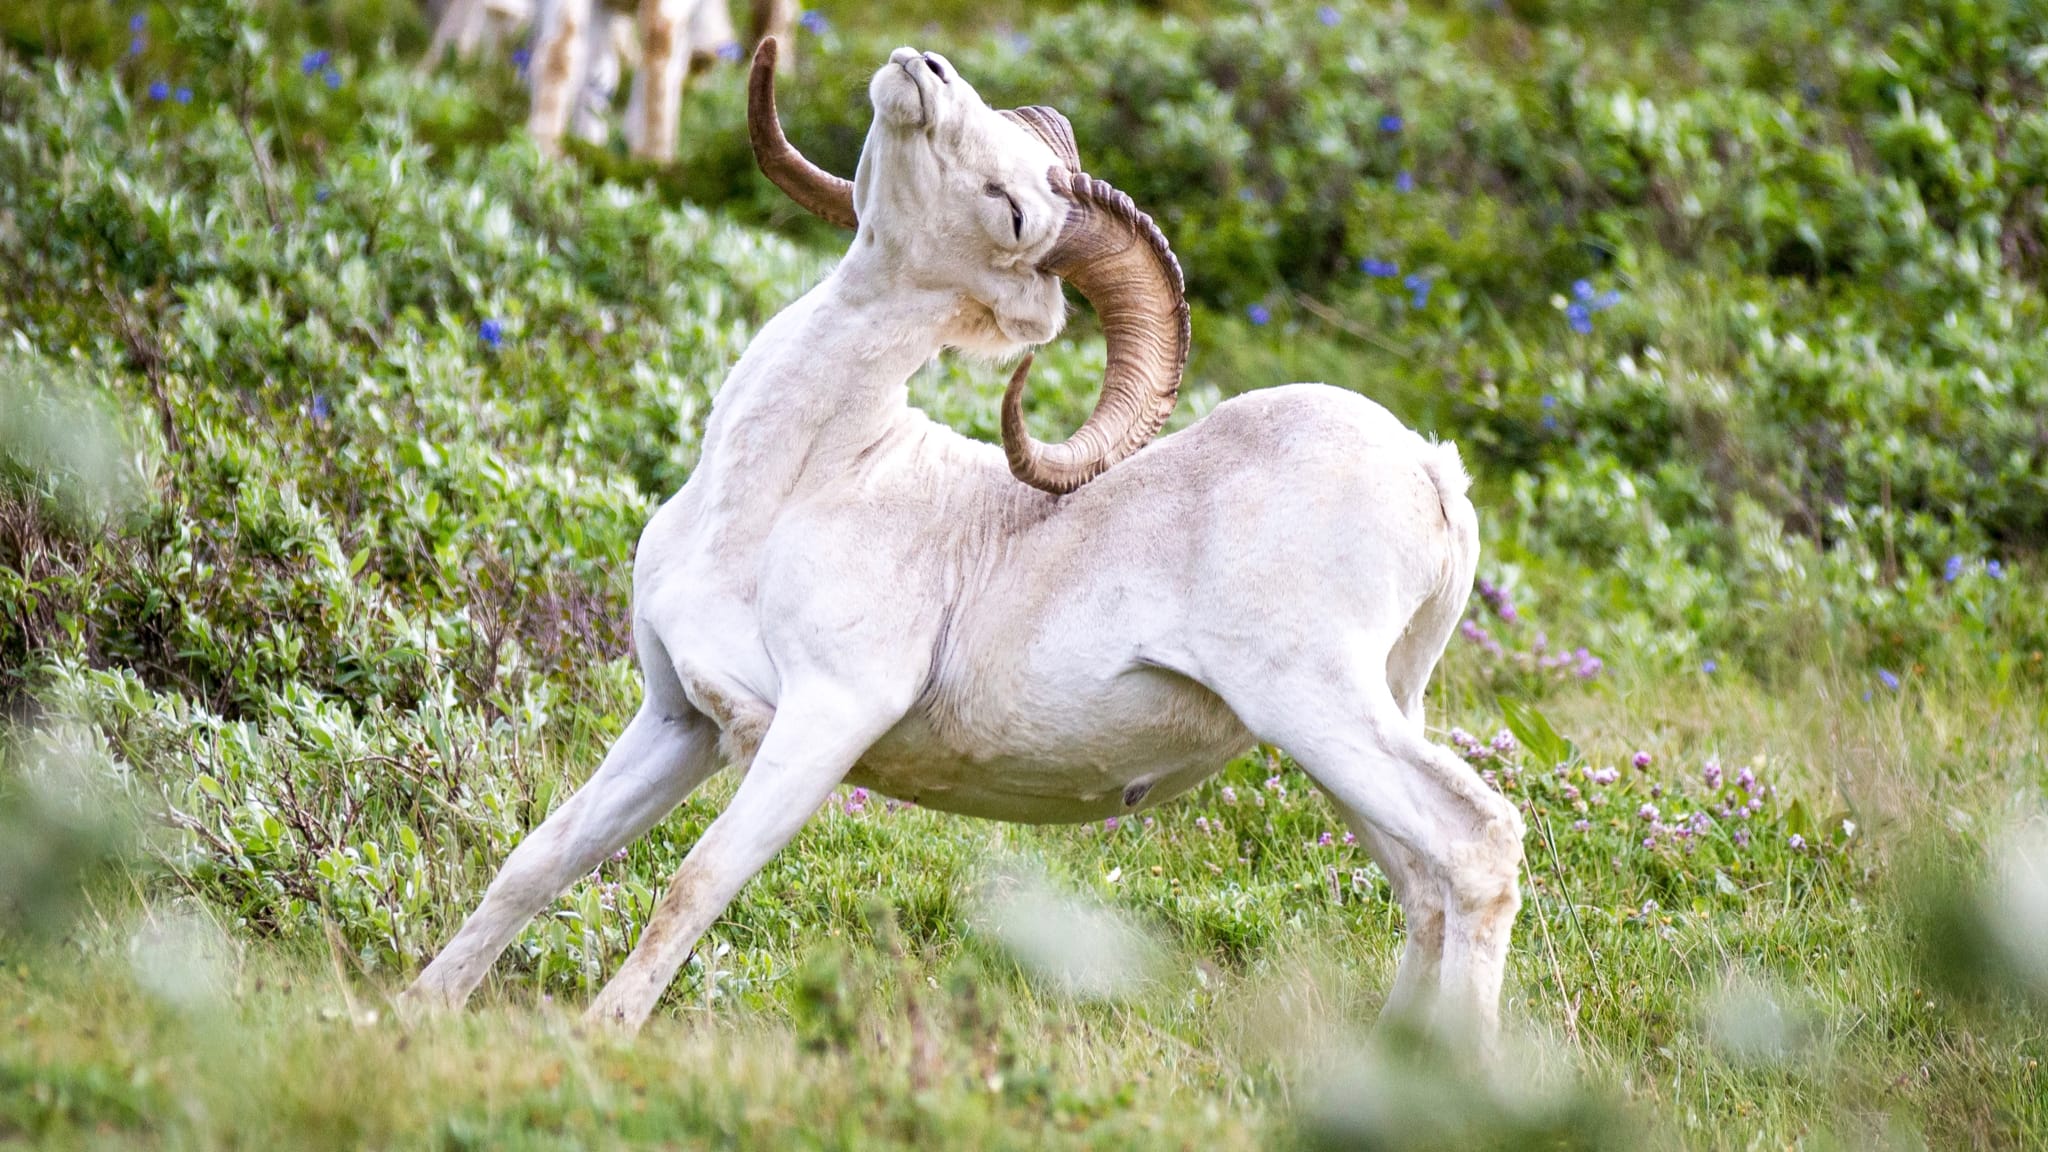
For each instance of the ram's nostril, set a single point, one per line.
(938, 68)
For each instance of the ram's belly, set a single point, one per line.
(1062, 753)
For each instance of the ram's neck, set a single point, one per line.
(822, 382)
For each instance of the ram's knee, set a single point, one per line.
(1485, 880)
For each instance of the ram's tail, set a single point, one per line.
(1415, 655)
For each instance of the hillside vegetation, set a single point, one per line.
(330, 414)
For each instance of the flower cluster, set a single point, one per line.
(1539, 657)
(1958, 564)
(320, 62)
(1585, 302)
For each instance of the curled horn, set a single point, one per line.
(817, 191)
(1116, 257)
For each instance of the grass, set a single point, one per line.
(852, 998)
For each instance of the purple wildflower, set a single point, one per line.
(1797, 842)
(1350, 838)
(1647, 813)
(1202, 825)
(1579, 318)
(729, 51)
(1391, 123)
(1582, 825)
(315, 61)
(1741, 837)
(183, 95)
(492, 333)
(1110, 825)
(1404, 181)
(1328, 16)
(1323, 841)
(1259, 314)
(159, 91)
(1994, 569)
(1382, 269)
(1229, 794)
(136, 44)
(1888, 679)
(1641, 760)
(1953, 570)
(814, 22)
(318, 411)
(1711, 774)
(1710, 666)
(1746, 779)
(332, 77)
(1504, 742)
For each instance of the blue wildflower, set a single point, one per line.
(183, 95)
(319, 411)
(1391, 123)
(1404, 181)
(1580, 319)
(522, 56)
(1888, 680)
(1328, 16)
(332, 77)
(814, 22)
(315, 60)
(1994, 569)
(1710, 665)
(159, 91)
(1419, 285)
(1247, 195)
(1384, 269)
(1259, 314)
(138, 22)
(729, 51)
(1605, 300)
(1583, 289)
(1549, 401)
(1953, 570)
(1549, 422)
(136, 44)
(492, 333)
(320, 194)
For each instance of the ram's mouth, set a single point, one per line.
(925, 74)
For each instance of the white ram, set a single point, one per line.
(845, 591)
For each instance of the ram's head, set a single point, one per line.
(994, 205)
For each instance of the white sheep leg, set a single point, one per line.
(658, 88)
(559, 59)
(600, 85)
(1376, 763)
(812, 742)
(1418, 975)
(652, 766)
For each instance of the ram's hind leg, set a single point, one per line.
(1452, 846)
(649, 770)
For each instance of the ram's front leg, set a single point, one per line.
(817, 735)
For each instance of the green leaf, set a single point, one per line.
(1537, 735)
(1797, 821)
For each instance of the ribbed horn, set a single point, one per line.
(817, 191)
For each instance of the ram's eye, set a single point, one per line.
(995, 191)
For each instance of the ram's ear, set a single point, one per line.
(1048, 125)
